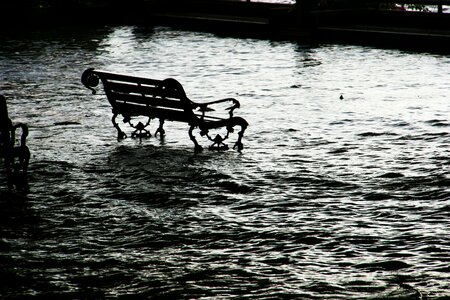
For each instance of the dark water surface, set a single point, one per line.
(330, 199)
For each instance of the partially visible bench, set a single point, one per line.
(13, 148)
(165, 100)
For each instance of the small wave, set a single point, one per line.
(390, 265)
(234, 187)
(292, 130)
(443, 269)
(438, 123)
(363, 286)
(341, 122)
(378, 196)
(375, 134)
(434, 136)
(324, 288)
(360, 240)
(391, 175)
(66, 123)
(338, 151)
(309, 240)
(401, 124)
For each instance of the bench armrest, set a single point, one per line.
(204, 107)
(24, 135)
(8, 135)
(90, 80)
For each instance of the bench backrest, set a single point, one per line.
(4, 118)
(5, 123)
(131, 95)
(8, 130)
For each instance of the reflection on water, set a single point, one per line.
(338, 199)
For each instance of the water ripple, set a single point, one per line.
(331, 199)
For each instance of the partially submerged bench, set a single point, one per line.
(165, 100)
(13, 148)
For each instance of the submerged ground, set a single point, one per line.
(331, 198)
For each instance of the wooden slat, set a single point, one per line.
(160, 112)
(126, 78)
(145, 101)
(149, 111)
(141, 89)
(127, 87)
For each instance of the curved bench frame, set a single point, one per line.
(165, 100)
(13, 148)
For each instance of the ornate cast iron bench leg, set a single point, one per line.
(197, 147)
(120, 134)
(17, 160)
(140, 131)
(218, 143)
(218, 140)
(19, 168)
(238, 143)
(160, 129)
(241, 122)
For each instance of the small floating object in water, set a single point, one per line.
(69, 223)
(341, 97)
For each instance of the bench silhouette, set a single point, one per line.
(165, 100)
(13, 148)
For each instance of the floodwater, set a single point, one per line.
(330, 199)
(274, 1)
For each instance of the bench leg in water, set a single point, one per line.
(218, 143)
(140, 131)
(120, 134)
(238, 143)
(197, 147)
(160, 129)
(17, 168)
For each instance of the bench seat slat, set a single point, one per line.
(157, 112)
(126, 87)
(139, 88)
(152, 112)
(146, 101)
(127, 78)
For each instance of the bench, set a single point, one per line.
(13, 148)
(135, 97)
